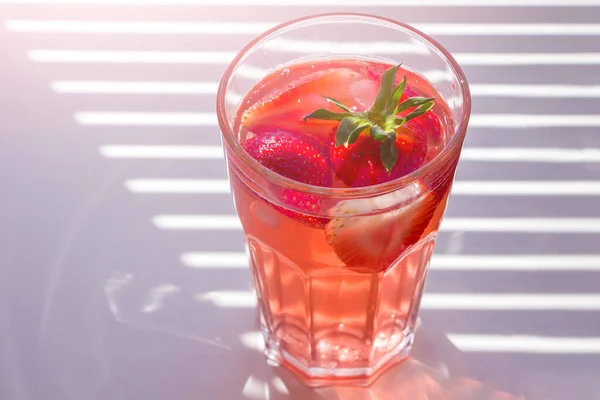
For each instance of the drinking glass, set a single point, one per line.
(325, 320)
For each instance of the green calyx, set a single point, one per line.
(381, 120)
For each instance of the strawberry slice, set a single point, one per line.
(286, 109)
(373, 242)
(297, 157)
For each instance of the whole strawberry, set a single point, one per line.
(380, 144)
(360, 164)
(297, 157)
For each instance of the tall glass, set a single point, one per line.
(324, 319)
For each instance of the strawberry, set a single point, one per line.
(371, 243)
(360, 164)
(297, 157)
(306, 202)
(377, 145)
(287, 109)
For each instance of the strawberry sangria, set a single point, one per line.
(341, 166)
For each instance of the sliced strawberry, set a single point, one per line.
(373, 242)
(286, 109)
(360, 163)
(297, 157)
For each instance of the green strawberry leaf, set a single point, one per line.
(337, 103)
(388, 154)
(417, 112)
(413, 102)
(386, 88)
(327, 115)
(349, 130)
(377, 133)
(396, 95)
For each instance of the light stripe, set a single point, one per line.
(526, 188)
(224, 57)
(518, 154)
(522, 225)
(442, 262)
(521, 262)
(146, 118)
(512, 301)
(198, 222)
(467, 342)
(134, 87)
(545, 91)
(482, 59)
(131, 57)
(215, 260)
(217, 57)
(139, 27)
(229, 299)
(514, 225)
(513, 121)
(537, 29)
(525, 344)
(178, 186)
(193, 87)
(324, 3)
(253, 340)
(255, 28)
(162, 152)
(522, 121)
(451, 301)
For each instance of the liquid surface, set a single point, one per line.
(339, 284)
(282, 100)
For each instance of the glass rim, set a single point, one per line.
(436, 163)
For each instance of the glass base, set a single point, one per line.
(336, 325)
(320, 376)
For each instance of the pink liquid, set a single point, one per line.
(321, 317)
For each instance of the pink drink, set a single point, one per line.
(340, 209)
